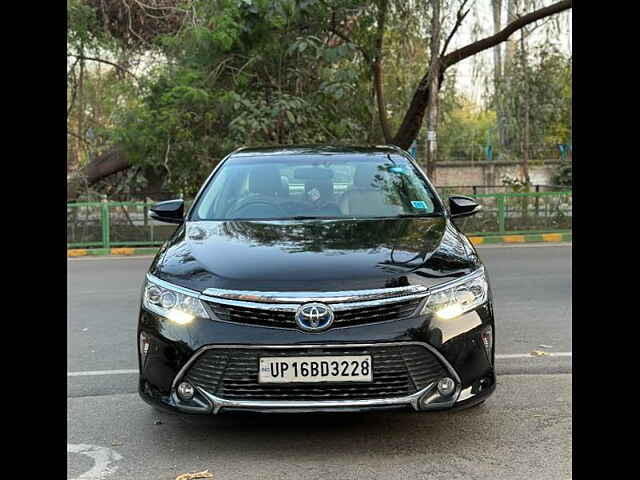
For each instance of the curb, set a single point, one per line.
(493, 239)
(531, 238)
(126, 251)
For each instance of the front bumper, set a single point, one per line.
(175, 349)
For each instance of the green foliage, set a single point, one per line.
(544, 79)
(215, 75)
(464, 128)
(515, 184)
(562, 175)
(249, 73)
(82, 22)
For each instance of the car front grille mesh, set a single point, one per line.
(398, 371)
(343, 318)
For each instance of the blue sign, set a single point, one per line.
(413, 149)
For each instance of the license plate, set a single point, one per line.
(352, 368)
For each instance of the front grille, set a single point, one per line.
(342, 318)
(252, 316)
(398, 371)
(379, 313)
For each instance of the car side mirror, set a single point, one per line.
(170, 211)
(461, 206)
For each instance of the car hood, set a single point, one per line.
(314, 255)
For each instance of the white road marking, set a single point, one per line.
(104, 292)
(504, 356)
(95, 373)
(528, 355)
(102, 457)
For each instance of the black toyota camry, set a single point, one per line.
(316, 279)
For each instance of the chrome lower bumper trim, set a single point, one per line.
(430, 391)
(219, 403)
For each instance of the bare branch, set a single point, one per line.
(130, 23)
(503, 35)
(74, 92)
(529, 31)
(459, 19)
(164, 7)
(78, 137)
(73, 67)
(102, 60)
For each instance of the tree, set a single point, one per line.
(209, 76)
(415, 113)
(536, 102)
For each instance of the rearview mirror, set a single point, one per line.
(170, 211)
(461, 206)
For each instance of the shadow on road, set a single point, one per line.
(319, 434)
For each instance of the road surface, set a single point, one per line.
(522, 431)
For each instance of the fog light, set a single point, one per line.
(185, 391)
(487, 341)
(144, 345)
(446, 386)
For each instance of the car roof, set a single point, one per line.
(296, 150)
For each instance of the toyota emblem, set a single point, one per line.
(314, 317)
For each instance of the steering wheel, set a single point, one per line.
(295, 207)
(248, 203)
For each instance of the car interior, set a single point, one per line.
(281, 190)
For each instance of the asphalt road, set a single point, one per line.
(522, 431)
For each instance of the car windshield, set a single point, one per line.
(273, 187)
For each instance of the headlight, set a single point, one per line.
(174, 303)
(455, 298)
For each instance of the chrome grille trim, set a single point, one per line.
(346, 296)
(217, 403)
(292, 307)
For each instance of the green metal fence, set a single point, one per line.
(520, 213)
(114, 224)
(119, 224)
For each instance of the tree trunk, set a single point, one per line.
(414, 115)
(372, 128)
(497, 72)
(382, 108)
(512, 15)
(434, 86)
(111, 162)
(525, 101)
(81, 108)
(497, 53)
(432, 133)
(376, 68)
